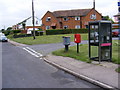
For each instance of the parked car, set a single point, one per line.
(3, 38)
(115, 33)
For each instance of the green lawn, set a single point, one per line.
(83, 55)
(118, 70)
(45, 39)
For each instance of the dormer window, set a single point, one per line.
(48, 19)
(77, 18)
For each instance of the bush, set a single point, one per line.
(38, 33)
(66, 31)
(7, 33)
(16, 31)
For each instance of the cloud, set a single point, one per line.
(14, 11)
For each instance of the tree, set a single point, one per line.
(107, 18)
(9, 28)
(2, 30)
(24, 24)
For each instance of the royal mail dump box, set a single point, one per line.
(100, 36)
(66, 40)
(77, 38)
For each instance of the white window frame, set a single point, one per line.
(93, 16)
(77, 27)
(77, 18)
(65, 27)
(94, 26)
(48, 19)
(47, 27)
(65, 18)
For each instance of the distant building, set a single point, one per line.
(27, 25)
(69, 19)
(115, 25)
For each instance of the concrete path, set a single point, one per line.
(103, 74)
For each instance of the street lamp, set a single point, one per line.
(33, 19)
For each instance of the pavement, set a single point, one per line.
(102, 74)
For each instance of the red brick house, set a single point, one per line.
(69, 19)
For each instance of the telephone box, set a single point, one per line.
(77, 38)
(100, 40)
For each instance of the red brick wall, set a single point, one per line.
(24, 31)
(48, 23)
(71, 23)
(87, 18)
(27, 27)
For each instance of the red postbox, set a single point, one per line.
(77, 38)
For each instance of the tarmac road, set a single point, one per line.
(45, 49)
(22, 70)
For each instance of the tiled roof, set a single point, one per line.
(76, 12)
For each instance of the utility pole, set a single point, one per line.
(33, 20)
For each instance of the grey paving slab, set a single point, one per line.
(100, 72)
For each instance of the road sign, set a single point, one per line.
(118, 9)
(118, 3)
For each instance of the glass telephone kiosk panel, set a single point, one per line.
(94, 34)
(100, 35)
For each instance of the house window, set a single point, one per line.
(77, 18)
(48, 19)
(65, 27)
(94, 26)
(65, 18)
(77, 26)
(93, 16)
(47, 27)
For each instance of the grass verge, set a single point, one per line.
(45, 39)
(83, 55)
(118, 70)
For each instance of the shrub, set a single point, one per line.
(38, 32)
(7, 33)
(66, 31)
(16, 31)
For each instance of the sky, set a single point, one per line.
(15, 11)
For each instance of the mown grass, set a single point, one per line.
(45, 39)
(83, 54)
(118, 70)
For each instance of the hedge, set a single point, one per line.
(38, 33)
(16, 31)
(7, 33)
(66, 31)
(19, 35)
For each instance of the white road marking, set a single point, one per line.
(34, 51)
(31, 52)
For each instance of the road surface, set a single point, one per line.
(23, 70)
